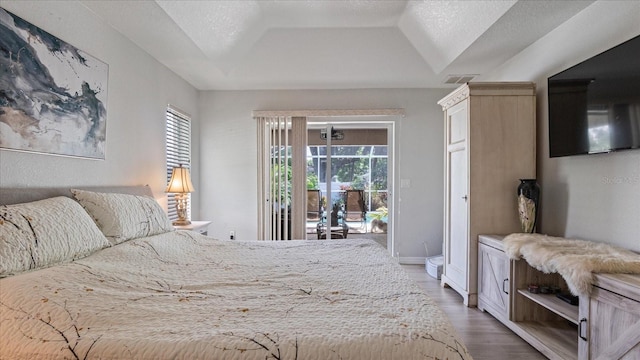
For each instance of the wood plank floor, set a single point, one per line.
(485, 337)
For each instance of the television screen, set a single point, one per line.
(594, 106)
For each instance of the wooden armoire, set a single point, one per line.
(490, 143)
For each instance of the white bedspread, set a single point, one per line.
(184, 296)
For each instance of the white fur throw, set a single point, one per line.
(575, 260)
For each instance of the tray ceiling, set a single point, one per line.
(315, 44)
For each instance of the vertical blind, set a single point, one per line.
(178, 152)
(281, 177)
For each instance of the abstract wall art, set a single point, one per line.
(52, 95)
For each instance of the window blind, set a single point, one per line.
(282, 177)
(178, 152)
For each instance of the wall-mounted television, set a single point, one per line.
(594, 106)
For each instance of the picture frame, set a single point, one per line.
(53, 95)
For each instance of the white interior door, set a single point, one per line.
(456, 231)
(458, 248)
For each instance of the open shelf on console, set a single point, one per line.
(554, 337)
(543, 319)
(551, 302)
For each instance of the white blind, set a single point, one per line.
(178, 152)
(282, 177)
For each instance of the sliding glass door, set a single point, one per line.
(328, 174)
(351, 171)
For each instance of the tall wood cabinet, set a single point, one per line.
(490, 139)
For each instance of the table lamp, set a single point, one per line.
(180, 184)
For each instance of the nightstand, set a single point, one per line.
(201, 227)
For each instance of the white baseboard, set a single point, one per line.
(411, 260)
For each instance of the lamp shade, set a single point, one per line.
(180, 181)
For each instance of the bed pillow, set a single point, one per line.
(44, 233)
(122, 217)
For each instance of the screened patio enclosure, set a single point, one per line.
(358, 167)
(357, 163)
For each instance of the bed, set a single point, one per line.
(100, 274)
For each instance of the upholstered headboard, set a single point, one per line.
(10, 196)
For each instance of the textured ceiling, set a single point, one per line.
(317, 44)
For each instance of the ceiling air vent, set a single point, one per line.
(459, 78)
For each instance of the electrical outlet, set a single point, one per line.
(232, 235)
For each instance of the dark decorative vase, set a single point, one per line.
(528, 197)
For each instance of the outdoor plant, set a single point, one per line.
(278, 173)
(380, 213)
(312, 181)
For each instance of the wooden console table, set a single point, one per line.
(605, 325)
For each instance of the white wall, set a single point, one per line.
(139, 90)
(594, 197)
(229, 162)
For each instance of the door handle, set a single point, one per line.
(465, 198)
(583, 320)
(503, 290)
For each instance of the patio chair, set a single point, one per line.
(354, 208)
(314, 206)
(339, 228)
